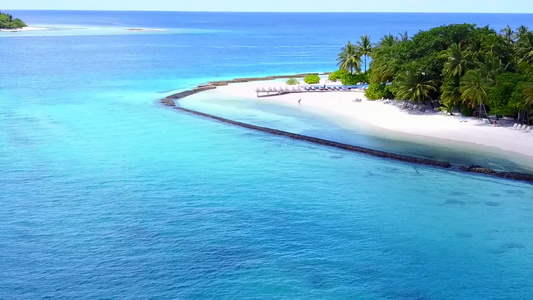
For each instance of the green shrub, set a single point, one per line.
(377, 91)
(353, 79)
(447, 107)
(292, 81)
(312, 79)
(466, 111)
(334, 76)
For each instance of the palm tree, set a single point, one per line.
(349, 59)
(474, 89)
(456, 61)
(521, 32)
(382, 71)
(525, 48)
(492, 67)
(528, 95)
(451, 94)
(414, 86)
(491, 45)
(404, 37)
(388, 41)
(508, 34)
(364, 47)
(528, 98)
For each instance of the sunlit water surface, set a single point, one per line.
(105, 194)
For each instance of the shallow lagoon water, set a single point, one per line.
(106, 194)
(295, 120)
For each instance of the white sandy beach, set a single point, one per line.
(29, 28)
(145, 29)
(342, 107)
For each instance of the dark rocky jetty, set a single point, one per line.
(491, 172)
(170, 101)
(415, 160)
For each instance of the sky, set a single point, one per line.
(465, 6)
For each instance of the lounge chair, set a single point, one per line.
(514, 126)
(527, 129)
(520, 127)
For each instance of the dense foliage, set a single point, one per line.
(7, 22)
(350, 57)
(354, 79)
(457, 66)
(377, 91)
(292, 81)
(334, 76)
(312, 79)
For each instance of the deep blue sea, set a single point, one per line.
(106, 194)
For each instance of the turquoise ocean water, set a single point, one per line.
(106, 194)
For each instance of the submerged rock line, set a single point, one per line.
(295, 136)
(170, 101)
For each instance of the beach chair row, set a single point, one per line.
(327, 88)
(523, 128)
(279, 90)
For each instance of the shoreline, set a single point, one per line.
(169, 101)
(27, 28)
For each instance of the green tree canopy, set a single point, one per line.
(7, 22)
(364, 48)
(458, 63)
(349, 59)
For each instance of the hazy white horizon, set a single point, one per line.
(451, 6)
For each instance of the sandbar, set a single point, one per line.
(388, 115)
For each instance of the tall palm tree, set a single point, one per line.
(521, 31)
(415, 86)
(388, 41)
(364, 47)
(491, 67)
(492, 45)
(349, 59)
(528, 98)
(508, 34)
(474, 89)
(528, 95)
(451, 93)
(456, 63)
(404, 37)
(524, 48)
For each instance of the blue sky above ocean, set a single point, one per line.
(458, 6)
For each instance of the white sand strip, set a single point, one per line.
(341, 106)
(29, 28)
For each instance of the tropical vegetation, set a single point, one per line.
(312, 79)
(461, 67)
(7, 22)
(292, 81)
